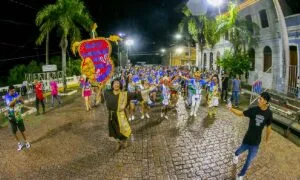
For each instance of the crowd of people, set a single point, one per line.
(145, 87)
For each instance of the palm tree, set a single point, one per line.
(193, 27)
(242, 33)
(65, 16)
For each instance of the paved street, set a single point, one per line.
(68, 143)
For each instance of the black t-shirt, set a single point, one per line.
(258, 120)
(225, 80)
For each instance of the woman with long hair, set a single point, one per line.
(116, 101)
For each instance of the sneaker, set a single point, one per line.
(239, 177)
(142, 117)
(129, 119)
(161, 114)
(235, 159)
(132, 117)
(28, 145)
(20, 146)
(166, 117)
(195, 114)
(147, 115)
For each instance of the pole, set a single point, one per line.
(189, 60)
(170, 62)
(47, 49)
(127, 54)
(119, 55)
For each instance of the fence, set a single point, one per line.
(30, 87)
(278, 82)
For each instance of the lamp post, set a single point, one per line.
(128, 43)
(119, 53)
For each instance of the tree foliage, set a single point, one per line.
(17, 74)
(242, 33)
(235, 64)
(67, 17)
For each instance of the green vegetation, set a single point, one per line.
(66, 17)
(17, 74)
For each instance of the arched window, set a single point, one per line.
(204, 64)
(251, 53)
(267, 58)
(211, 61)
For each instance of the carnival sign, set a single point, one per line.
(96, 61)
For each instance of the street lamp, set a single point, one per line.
(121, 35)
(178, 36)
(217, 3)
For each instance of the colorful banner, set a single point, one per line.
(96, 61)
(257, 87)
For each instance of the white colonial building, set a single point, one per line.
(267, 62)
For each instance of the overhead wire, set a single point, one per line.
(25, 57)
(23, 4)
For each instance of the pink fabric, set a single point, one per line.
(54, 88)
(87, 93)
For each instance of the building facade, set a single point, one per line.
(267, 63)
(180, 56)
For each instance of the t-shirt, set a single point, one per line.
(14, 113)
(258, 119)
(236, 85)
(54, 88)
(225, 80)
(8, 99)
(39, 91)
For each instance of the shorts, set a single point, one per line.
(16, 125)
(135, 102)
(87, 93)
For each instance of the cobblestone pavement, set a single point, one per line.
(68, 143)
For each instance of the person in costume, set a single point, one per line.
(86, 93)
(213, 96)
(165, 93)
(14, 104)
(116, 101)
(146, 101)
(132, 90)
(175, 89)
(196, 85)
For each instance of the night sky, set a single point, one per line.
(150, 22)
